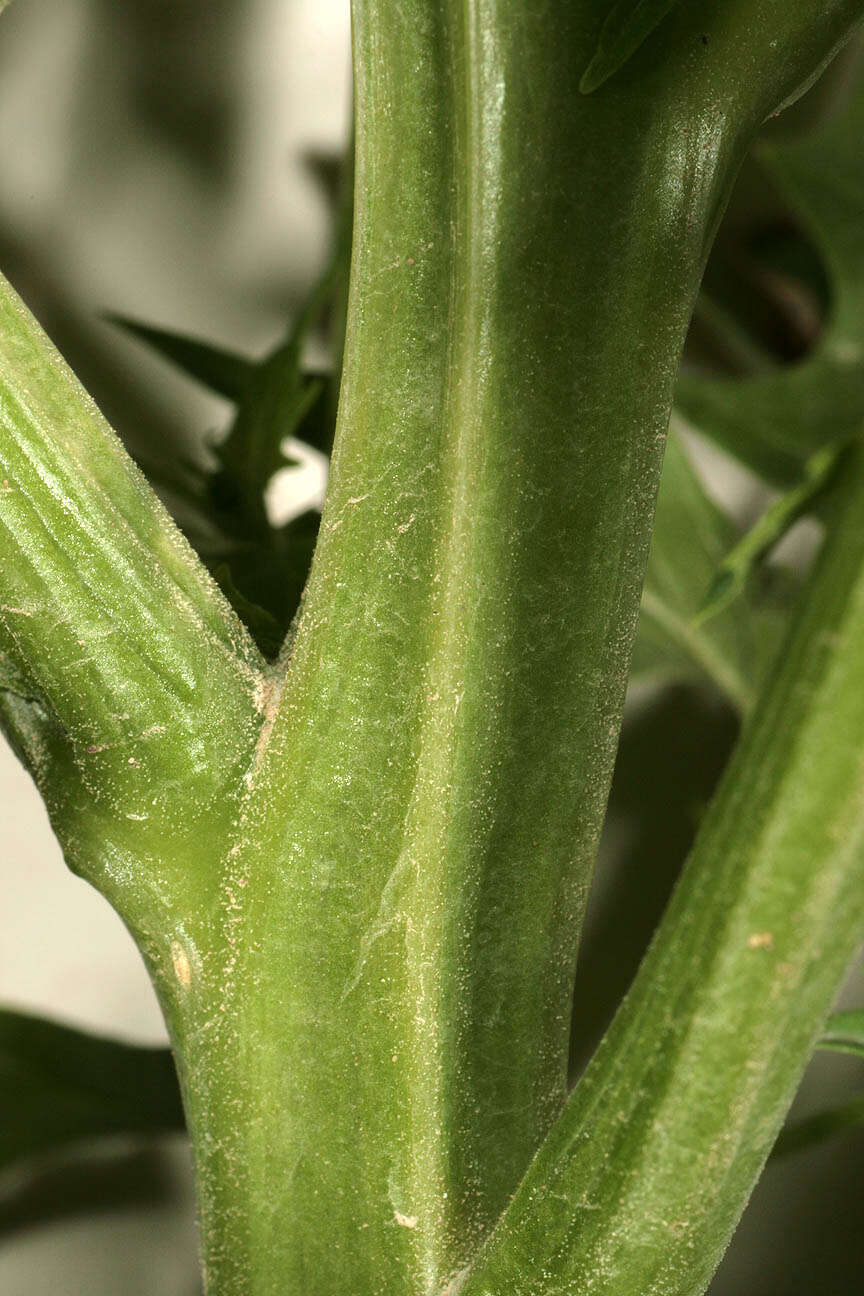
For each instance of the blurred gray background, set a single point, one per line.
(151, 163)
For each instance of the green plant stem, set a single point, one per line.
(359, 880)
(403, 900)
(426, 814)
(142, 704)
(646, 1173)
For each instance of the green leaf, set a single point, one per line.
(775, 421)
(844, 1033)
(277, 401)
(263, 627)
(811, 1130)
(260, 569)
(59, 1085)
(629, 24)
(83, 1180)
(222, 371)
(740, 563)
(268, 566)
(231, 375)
(13, 680)
(691, 536)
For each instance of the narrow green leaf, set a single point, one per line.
(691, 536)
(774, 421)
(268, 566)
(317, 423)
(277, 401)
(59, 1085)
(844, 1033)
(811, 1130)
(222, 371)
(629, 24)
(731, 577)
(230, 375)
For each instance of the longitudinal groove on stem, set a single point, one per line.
(361, 900)
(645, 1175)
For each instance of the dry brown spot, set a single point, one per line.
(182, 966)
(760, 940)
(267, 698)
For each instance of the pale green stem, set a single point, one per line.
(644, 1177)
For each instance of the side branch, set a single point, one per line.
(137, 701)
(648, 1169)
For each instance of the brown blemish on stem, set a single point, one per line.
(181, 964)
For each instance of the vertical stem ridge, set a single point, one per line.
(394, 952)
(648, 1169)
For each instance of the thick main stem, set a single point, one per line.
(374, 1022)
(359, 879)
(404, 898)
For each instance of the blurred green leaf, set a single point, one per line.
(13, 680)
(628, 25)
(844, 1033)
(815, 1129)
(741, 562)
(261, 568)
(774, 421)
(85, 1180)
(264, 568)
(221, 371)
(263, 627)
(59, 1085)
(691, 538)
(276, 402)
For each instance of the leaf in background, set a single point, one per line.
(262, 565)
(263, 627)
(691, 538)
(59, 1085)
(740, 563)
(811, 1130)
(221, 371)
(629, 24)
(13, 680)
(85, 1180)
(261, 569)
(275, 404)
(844, 1033)
(775, 421)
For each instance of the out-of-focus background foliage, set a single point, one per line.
(154, 161)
